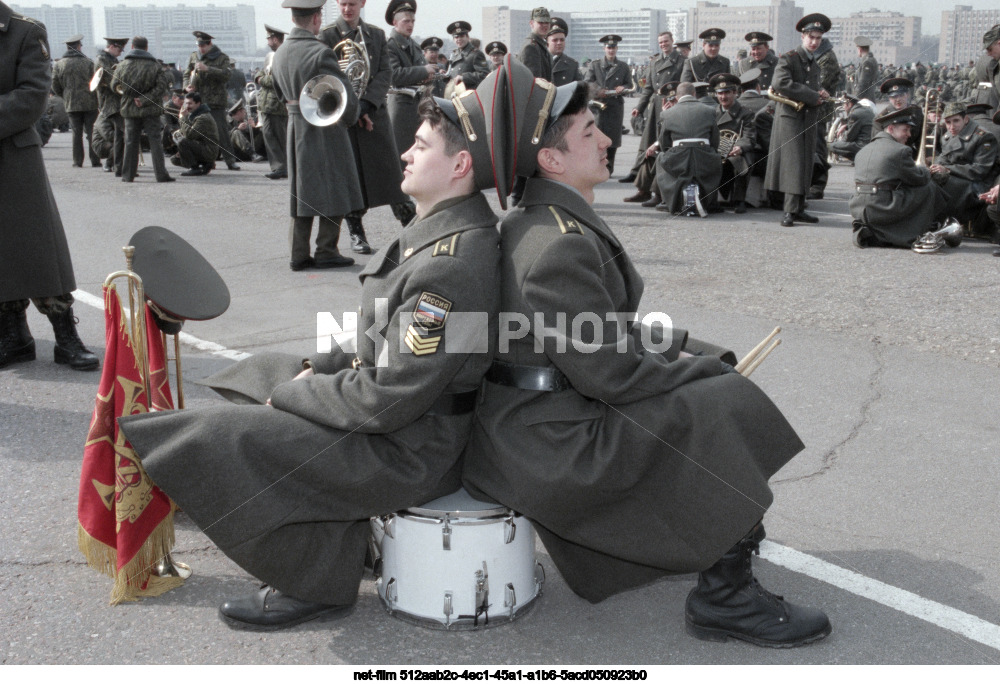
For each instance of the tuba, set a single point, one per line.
(928, 140)
(323, 100)
(354, 62)
(949, 234)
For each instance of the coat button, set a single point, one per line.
(408, 252)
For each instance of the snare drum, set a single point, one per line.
(457, 563)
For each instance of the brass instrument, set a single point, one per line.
(323, 100)
(250, 100)
(932, 241)
(727, 141)
(354, 62)
(928, 140)
(773, 95)
(95, 80)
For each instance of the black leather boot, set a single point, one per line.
(729, 602)
(268, 609)
(359, 243)
(16, 343)
(69, 347)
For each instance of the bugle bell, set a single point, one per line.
(949, 234)
(774, 96)
(95, 80)
(323, 100)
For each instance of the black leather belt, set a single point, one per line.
(872, 188)
(538, 378)
(454, 404)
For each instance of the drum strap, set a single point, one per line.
(537, 378)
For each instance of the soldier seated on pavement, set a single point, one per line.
(583, 438)
(894, 202)
(248, 141)
(197, 138)
(856, 132)
(645, 178)
(964, 168)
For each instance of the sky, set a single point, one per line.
(434, 15)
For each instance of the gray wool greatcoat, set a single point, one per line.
(322, 172)
(895, 216)
(287, 491)
(645, 466)
(766, 67)
(409, 70)
(678, 166)
(663, 69)
(565, 70)
(535, 55)
(469, 63)
(379, 170)
(701, 67)
(608, 76)
(793, 138)
(34, 254)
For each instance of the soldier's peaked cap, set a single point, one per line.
(895, 86)
(176, 277)
(399, 6)
(496, 47)
(712, 35)
(683, 43)
(479, 115)
(73, 40)
(201, 35)
(863, 41)
(456, 27)
(271, 31)
(432, 43)
(237, 106)
(907, 115)
(977, 107)
(750, 76)
(757, 37)
(669, 90)
(303, 4)
(814, 22)
(120, 42)
(724, 81)
(558, 25)
(610, 40)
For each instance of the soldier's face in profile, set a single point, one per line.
(274, 42)
(557, 44)
(584, 164)
(899, 132)
(429, 171)
(758, 52)
(956, 123)
(711, 49)
(113, 50)
(994, 50)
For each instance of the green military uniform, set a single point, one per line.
(535, 55)
(701, 67)
(766, 67)
(111, 124)
(866, 78)
(830, 75)
(71, 81)
(248, 143)
(141, 77)
(212, 84)
(689, 140)
(469, 63)
(632, 464)
(736, 169)
(273, 123)
(199, 142)
(565, 70)
(662, 70)
(894, 198)
(970, 157)
(409, 74)
(608, 75)
(858, 133)
(355, 440)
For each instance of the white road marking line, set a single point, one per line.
(938, 614)
(904, 601)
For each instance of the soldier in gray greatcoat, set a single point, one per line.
(468, 64)
(612, 78)
(35, 262)
(866, 85)
(587, 429)
(272, 112)
(900, 92)
(982, 115)
(731, 116)
(110, 123)
(708, 62)
(372, 138)
(71, 81)
(323, 174)
(208, 72)
(856, 132)
(431, 47)
(761, 57)
(688, 143)
(535, 53)
(895, 201)
(565, 69)
(286, 489)
(830, 75)
(966, 165)
(793, 140)
(410, 72)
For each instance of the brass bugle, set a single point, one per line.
(756, 351)
(774, 96)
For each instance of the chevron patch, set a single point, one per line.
(419, 344)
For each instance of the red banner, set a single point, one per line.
(126, 523)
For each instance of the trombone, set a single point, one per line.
(928, 138)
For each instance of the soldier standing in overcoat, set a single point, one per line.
(287, 489)
(611, 78)
(322, 172)
(631, 462)
(761, 57)
(410, 71)
(371, 138)
(71, 81)
(35, 263)
(793, 139)
(208, 72)
(272, 112)
(535, 53)
(708, 62)
(866, 75)
(565, 69)
(110, 122)
(468, 64)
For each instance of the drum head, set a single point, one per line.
(456, 502)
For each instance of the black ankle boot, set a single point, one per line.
(16, 343)
(359, 243)
(729, 602)
(69, 347)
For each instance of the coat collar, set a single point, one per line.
(211, 54)
(965, 134)
(139, 54)
(346, 30)
(541, 191)
(299, 33)
(5, 14)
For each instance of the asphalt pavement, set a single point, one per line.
(889, 369)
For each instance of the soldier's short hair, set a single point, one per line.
(454, 139)
(666, 33)
(194, 96)
(140, 43)
(555, 136)
(300, 16)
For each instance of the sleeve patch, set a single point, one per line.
(45, 48)
(566, 226)
(446, 247)
(431, 312)
(419, 342)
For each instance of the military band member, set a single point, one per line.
(965, 166)
(467, 65)
(900, 91)
(990, 198)
(730, 115)
(112, 127)
(751, 97)
(35, 263)
(198, 137)
(372, 138)
(866, 83)
(248, 143)
(272, 111)
(144, 85)
(645, 178)
(565, 69)
(856, 132)
(496, 51)
(793, 140)
(208, 72)
(535, 53)
(612, 78)
(708, 62)
(71, 81)
(895, 201)
(684, 47)
(171, 120)
(322, 184)
(431, 48)
(410, 72)
(665, 68)
(688, 144)
(981, 113)
(991, 44)
(761, 57)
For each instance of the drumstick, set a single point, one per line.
(756, 350)
(759, 359)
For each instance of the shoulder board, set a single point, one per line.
(567, 224)
(30, 20)
(791, 53)
(446, 247)
(980, 131)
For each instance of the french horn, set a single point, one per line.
(354, 62)
(323, 100)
